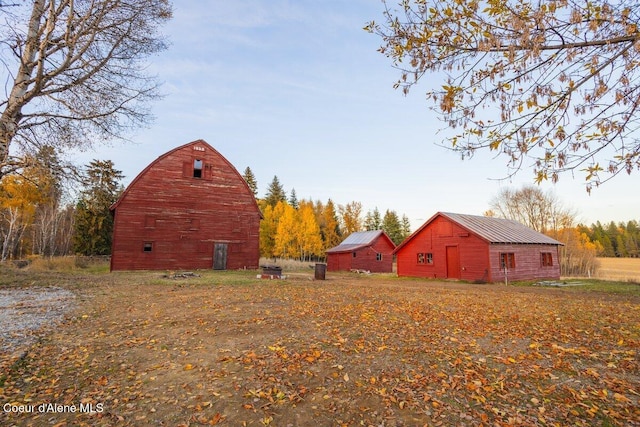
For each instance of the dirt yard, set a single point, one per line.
(228, 349)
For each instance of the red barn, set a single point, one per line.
(189, 209)
(477, 248)
(363, 250)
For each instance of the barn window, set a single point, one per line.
(425, 258)
(353, 254)
(378, 257)
(197, 168)
(507, 260)
(148, 247)
(546, 259)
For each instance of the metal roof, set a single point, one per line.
(499, 230)
(357, 240)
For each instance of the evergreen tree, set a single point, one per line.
(93, 220)
(275, 192)
(391, 225)
(373, 221)
(251, 181)
(405, 226)
(293, 199)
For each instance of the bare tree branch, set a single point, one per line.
(75, 72)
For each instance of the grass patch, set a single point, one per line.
(591, 285)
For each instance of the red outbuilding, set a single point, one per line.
(364, 250)
(477, 248)
(189, 209)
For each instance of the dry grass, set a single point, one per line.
(289, 264)
(621, 269)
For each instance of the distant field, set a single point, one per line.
(624, 269)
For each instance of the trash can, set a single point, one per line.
(321, 270)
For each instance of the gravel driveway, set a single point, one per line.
(24, 311)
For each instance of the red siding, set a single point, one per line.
(365, 259)
(183, 217)
(340, 261)
(478, 260)
(528, 262)
(434, 239)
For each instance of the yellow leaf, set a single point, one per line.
(188, 367)
(621, 398)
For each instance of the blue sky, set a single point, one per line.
(297, 89)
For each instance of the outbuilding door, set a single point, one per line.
(453, 263)
(220, 256)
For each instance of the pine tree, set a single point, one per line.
(251, 181)
(373, 221)
(93, 221)
(391, 225)
(293, 199)
(275, 192)
(405, 226)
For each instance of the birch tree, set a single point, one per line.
(74, 72)
(351, 217)
(550, 84)
(330, 226)
(19, 196)
(534, 208)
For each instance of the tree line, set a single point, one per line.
(305, 229)
(615, 239)
(38, 215)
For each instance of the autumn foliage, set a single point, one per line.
(229, 350)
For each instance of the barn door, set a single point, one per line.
(220, 256)
(453, 263)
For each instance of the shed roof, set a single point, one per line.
(493, 230)
(357, 240)
(500, 230)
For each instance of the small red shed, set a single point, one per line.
(363, 250)
(477, 248)
(189, 209)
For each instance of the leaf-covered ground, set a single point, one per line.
(348, 351)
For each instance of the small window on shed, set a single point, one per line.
(197, 168)
(546, 259)
(425, 258)
(378, 257)
(147, 247)
(353, 254)
(507, 260)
